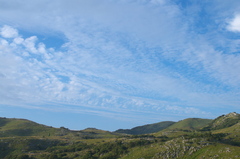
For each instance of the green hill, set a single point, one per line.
(146, 129)
(223, 121)
(186, 139)
(190, 124)
(183, 127)
(22, 127)
(186, 124)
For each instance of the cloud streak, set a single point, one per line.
(143, 56)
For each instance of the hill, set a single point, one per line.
(22, 127)
(186, 139)
(223, 121)
(186, 124)
(146, 129)
(190, 124)
(10, 127)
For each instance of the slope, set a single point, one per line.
(146, 129)
(10, 127)
(223, 121)
(22, 127)
(176, 141)
(190, 124)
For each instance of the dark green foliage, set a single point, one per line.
(110, 150)
(88, 155)
(23, 156)
(3, 121)
(68, 148)
(208, 135)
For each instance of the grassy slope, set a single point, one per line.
(22, 127)
(219, 150)
(183, 127)
(180, 141)
(190, 124)
(184, 149)
(223, 121)
(146, 129)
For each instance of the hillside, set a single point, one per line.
(186, 124)
(23, 127)
(146, 129)
(10, 127)
(185, 139)
(223, 121)
(190, 124)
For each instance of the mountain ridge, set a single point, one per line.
(188, 124)
(185, 139)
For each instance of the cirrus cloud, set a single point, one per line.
(148, 57)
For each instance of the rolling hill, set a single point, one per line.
(190, 124)
(186, 139)
(223, 121)
(10, 127)
(146, 129)
(23, 127)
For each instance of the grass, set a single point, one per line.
(22, 138)
(190, 124)
(146, 129)
(219, 150)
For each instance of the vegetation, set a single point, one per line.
(187, 139)
(223, 121)
(146, 129)
(190, 124)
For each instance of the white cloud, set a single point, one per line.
(234, 24)
(119, 55)
(8, 32)
(18, 40)
(29, 43)
(3, 42)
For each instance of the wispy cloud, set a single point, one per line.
(125, 56)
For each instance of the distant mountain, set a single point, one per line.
(146, 129)
(223, 121)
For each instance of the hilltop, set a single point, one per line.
(186, 124)
(146, 129)
(188, 138)
(10, 127)
(223, 121)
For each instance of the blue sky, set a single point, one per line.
(118, 64)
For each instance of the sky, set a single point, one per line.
(113, 64)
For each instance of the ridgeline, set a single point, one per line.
(188, 138)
